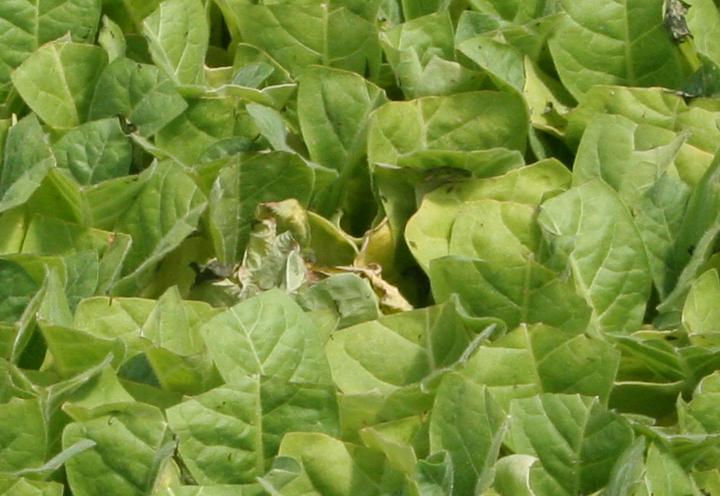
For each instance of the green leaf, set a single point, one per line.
(177, 34)
(58, 81)
(547, 100)
(665, 476)
(467, 423)
(637, 161)
(54, 307)
(399, 350)
(480, 163)
(465, 121)
(660, 108)
(23, 436)
(503, 63)
(703, 20)
(700, 314)
(479, 239)
(399, 440)
(539, 359)
(429, 231)
(627, 473)
(128, 14)
(594, 236)
(128, 446)
(329, 466)
(421, 53)
(333, 110)
(74, 351)
(253, 75)
(412, 9)
(576, 440)
(204, 123)
(214, 490)
(167, 332)
(630, 157)
(695, 239)
(160, 217)
(139, 92)
(60, 196)
(24, 167)
(513, 475)
(230, 434)
(47, 236)
(95, 151)
(523, 297)
(659, 218)
(348, 299)
(707, 481)
(28, 24)
(16, 294)
(112, 39)
(27, 487)
(242, 186)
(699, 416)
(271, 125)
(269, 335)
(58, 460)
(434, 475)
(297, 34)
(624, 44)
(174, 324)
(113, 317)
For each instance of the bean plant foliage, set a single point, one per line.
(359, 247)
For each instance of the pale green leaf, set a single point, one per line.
(701, 315)
(230, 434)
(24, 167)
(576, 440)
(267, 335)
(399, 350)
(630, 157)
(178, 34)
(622, 43)
(703, 20)
(123, 460)
(421, 53)
(28, 487)
(23, 436)
(241, 187)
(163, 214)
(203, 124)
(95, 151)
(468, 424)
(27, 24)
(534, 360)
(429, 231)
(333, 110)
(665, 476)
(465, 121)
(298, 34)
(141, 93)
(593, 234)
(58, 81)
(660, 108)
(329, 466)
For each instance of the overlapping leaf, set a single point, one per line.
(349, 247)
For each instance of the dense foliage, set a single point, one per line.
(359, 247)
